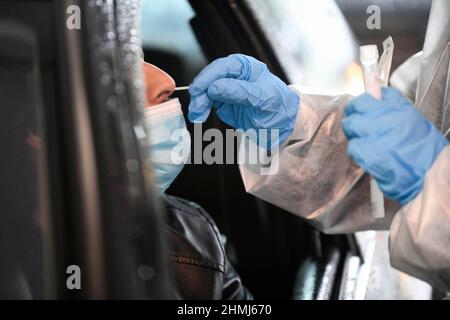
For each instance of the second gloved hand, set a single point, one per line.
(393, 142)
(246, 96)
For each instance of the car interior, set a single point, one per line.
(281, 249)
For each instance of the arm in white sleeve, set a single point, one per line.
(316, 179)
(420, 233)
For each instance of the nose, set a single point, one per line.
(159, 85)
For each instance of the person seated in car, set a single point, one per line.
(201, 267)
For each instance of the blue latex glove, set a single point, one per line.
(393, 142)
(246, 95)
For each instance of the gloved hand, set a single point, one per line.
(393, 142)
(246, 96)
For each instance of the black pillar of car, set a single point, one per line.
(109, 223)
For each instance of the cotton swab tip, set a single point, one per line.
(181, 88)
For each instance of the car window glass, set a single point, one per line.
(165, 27)
(21, 225)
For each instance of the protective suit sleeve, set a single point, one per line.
(420, 232)
(316, 179)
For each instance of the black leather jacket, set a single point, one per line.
(201, 267)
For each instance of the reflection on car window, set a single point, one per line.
(279, 22)
(304, 37)
(20, 227)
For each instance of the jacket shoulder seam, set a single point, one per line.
(176, 258)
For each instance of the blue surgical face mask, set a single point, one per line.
(170, 142)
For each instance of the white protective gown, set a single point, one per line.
(318, 181)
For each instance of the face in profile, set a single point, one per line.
(170, 141)
(159, 85)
